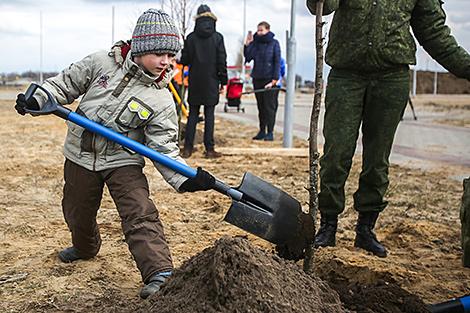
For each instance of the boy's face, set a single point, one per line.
(155, 63)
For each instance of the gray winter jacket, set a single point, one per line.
(118, 94)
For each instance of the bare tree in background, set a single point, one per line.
(182, 11)
(239, 59)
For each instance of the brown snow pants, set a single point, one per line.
(140, 223)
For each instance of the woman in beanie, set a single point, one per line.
(265, 52)
(204, 52)
(125, 92)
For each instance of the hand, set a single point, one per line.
(202, 181)
(249, 38)
(22, 104)
(271, 84)
(221, 89)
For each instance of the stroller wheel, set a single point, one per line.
(243, 110)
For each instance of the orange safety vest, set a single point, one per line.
(179, 75)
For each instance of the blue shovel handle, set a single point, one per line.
(52, 107)
(458, 305)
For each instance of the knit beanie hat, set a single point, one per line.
(203, 8)
(155, 32)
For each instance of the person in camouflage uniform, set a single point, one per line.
(370, 49)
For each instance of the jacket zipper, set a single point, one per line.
(94, 151)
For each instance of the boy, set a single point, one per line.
(126, 92)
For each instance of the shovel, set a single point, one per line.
(257, 206)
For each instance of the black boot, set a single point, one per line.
(70, 254)
(326, 235)
(365, 237)
(260, 135)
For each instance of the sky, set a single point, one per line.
(73, 29)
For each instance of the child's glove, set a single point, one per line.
(202, 181)
(22, 104)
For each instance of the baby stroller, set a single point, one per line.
(234, 94)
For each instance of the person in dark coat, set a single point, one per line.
(265, 51)
(204, 52)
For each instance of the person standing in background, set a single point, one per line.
(204, 52)
(265, 52)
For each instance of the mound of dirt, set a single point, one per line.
(235, 276)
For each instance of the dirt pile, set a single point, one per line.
(235, 276)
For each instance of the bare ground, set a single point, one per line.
(420, 227)
(452, 110)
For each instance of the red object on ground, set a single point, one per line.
(234, 88)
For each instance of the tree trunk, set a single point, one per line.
(313, 139)
(465, 219)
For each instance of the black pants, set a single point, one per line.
(267, 105)
(208, 126)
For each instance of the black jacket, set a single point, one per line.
(204, 52)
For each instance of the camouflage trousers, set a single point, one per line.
(377, 101)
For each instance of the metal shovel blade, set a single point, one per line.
(270, 213)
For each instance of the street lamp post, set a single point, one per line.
(290, 93)
(41, 78)
(112, 26)
(243, 73)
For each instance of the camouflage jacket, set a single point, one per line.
(374, 35)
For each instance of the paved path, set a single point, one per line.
(422, 142)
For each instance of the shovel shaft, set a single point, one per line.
(263, 90)
(126, 142)
(142, 149)
(227, 190)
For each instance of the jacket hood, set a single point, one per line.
(205, 26)
(265, 38)
(206, 14)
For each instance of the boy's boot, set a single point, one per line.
(154, 283)
(187, 152)
(326, 235)
(269, 136)
(212, 154)
(260, 136)
(365, 237)
(70, 254)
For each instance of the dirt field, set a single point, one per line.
(452, 110)
(420, 227)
